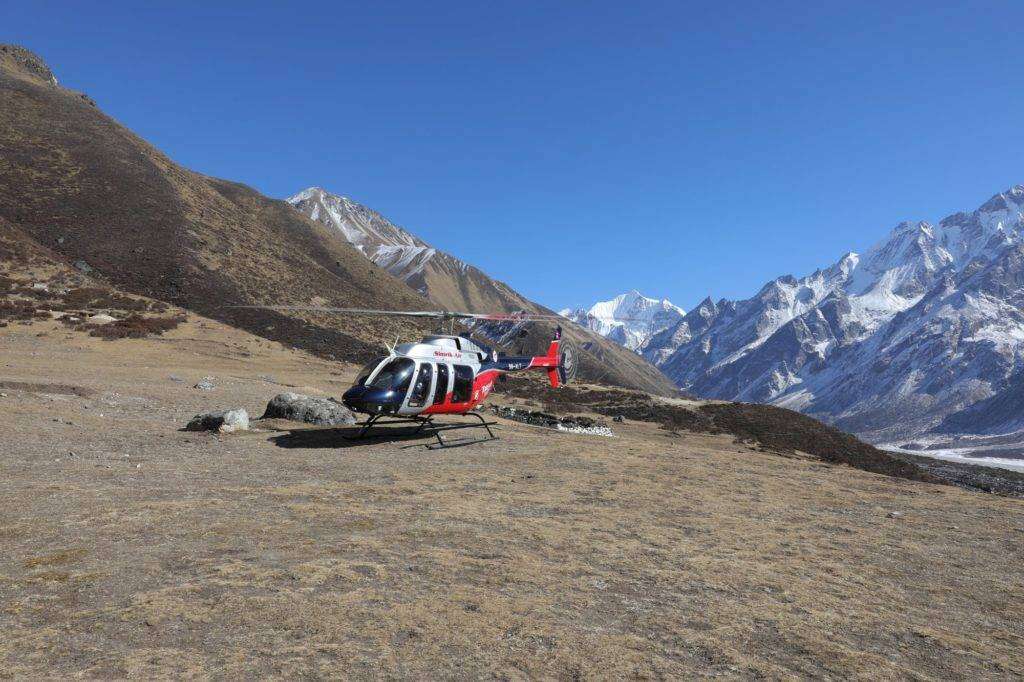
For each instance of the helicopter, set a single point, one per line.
(443, 374)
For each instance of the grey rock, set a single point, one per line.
(304, 408)
(205, 384)
(82, 266)
(895, 515)
(101, 318)
(224, 421)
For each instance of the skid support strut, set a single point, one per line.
(424, 422)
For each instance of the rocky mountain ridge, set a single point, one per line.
(453, 283)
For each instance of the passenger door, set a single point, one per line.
(462, 390)
(420, 393)
(442, 384)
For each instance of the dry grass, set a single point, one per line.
(19, 311)
(38, 286)
(105, 298)
(763, 426)
(151, 552)
(136, 327)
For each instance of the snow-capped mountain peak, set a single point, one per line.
(361, 226)
(886, 343)
(393, 248)
(630, 319)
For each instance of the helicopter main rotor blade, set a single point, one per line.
(444, 314)
(350, 311)
(513, 317)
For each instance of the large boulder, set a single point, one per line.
(304, 408)
(224, 421)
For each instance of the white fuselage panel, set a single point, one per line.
(440, 352)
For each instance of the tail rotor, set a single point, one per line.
(561, 361)
(568, 361)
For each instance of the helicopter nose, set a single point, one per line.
(372, 400)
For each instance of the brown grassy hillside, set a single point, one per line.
(93, 193)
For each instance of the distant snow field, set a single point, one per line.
(966, 456)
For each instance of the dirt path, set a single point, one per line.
(130, 548)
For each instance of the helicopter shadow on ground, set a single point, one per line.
(345, 437)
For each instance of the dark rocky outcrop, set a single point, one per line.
(303, 408)
(537, 418)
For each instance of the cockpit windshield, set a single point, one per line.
(395, 375)
(365, 372)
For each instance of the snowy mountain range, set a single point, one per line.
(629, 319)
(920, 337)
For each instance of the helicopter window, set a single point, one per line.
(462, 391)
(365, 372)
(421, 387)
(396, 375)
(441, 392)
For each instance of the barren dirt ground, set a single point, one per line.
(130, 548)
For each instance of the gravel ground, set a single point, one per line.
(131, 548)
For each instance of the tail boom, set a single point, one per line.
(551, 362)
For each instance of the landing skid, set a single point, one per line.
(423, 422)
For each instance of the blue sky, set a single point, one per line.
(576, 150)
